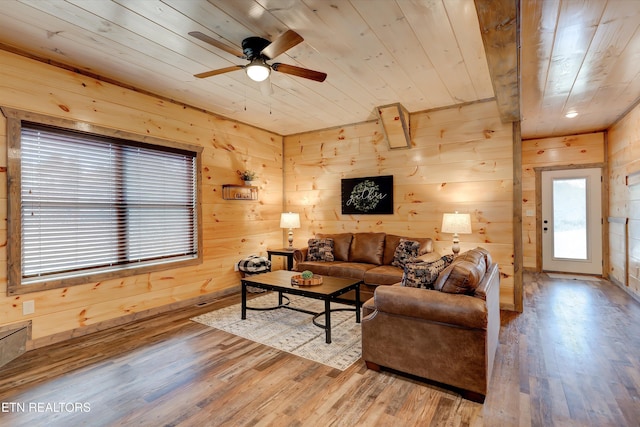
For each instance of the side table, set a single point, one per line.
(288, 253)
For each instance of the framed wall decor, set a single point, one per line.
(368, 195)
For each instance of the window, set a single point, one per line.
(93, 207)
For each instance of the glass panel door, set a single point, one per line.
(569, 218)
(572, 221)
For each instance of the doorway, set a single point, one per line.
(572, 220)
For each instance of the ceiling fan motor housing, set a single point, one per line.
(252, 46)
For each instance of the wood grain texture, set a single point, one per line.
(227, 146)
(460, 159)
(426, 54)
(574, 54)
(568, 359)
(624, 200)
(500, 27)
(561, 152)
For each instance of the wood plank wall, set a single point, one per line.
(551, 152)
(624, 202)
(460, 159)
(231, 229)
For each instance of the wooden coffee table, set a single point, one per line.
(329, 291)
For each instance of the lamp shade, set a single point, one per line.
(289, 220)
(456, 223)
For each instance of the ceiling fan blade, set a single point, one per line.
(283, 43)
(213, 42)
(299, 72)
(218, 71)
(266, 88)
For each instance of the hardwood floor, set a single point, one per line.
(571, 359)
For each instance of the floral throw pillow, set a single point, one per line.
(424, 274)
(405, 252)
(320, 250)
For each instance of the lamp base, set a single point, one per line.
(456, 245)
(290, 239)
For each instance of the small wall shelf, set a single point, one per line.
(239, 192)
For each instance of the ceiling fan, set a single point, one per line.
(258, 50)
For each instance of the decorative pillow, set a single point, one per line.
(424, 274)
(320, 250)
(391, 243)
(341, 244)
(406, 251)
(429, 257)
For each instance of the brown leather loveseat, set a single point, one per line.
(448, 335)
(365, 256)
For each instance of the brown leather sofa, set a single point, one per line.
(363, 256)
(448, 335)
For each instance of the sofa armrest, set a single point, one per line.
(430, 305)
(300, 255)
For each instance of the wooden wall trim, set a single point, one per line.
(500, 29)
(605, 208)
(518, 260)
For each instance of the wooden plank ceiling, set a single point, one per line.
(423, 54)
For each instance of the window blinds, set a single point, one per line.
(90, 202)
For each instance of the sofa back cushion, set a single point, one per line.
(368, 248)
(465, 272)
(392, 241)
(341, 244)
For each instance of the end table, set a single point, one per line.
(285, 252)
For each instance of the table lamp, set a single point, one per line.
(290, 220)
(456, 223)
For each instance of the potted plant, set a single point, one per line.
(248, 176)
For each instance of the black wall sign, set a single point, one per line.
(369, 195)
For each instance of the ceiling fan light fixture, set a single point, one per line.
(258, 70)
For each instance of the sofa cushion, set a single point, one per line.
(465, 273)
(322, 268)
(341, 244)
(352, 270)
(383, 275)
(406, 251)
(392, 241)
(424, 274)
(320, 250)
(367, 248)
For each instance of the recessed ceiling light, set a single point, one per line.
(571, 114)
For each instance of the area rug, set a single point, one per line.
(292, 331)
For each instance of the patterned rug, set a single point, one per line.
(292, 331)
